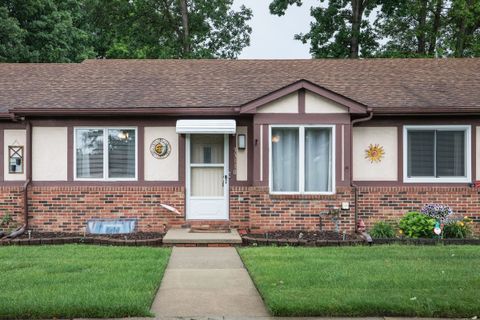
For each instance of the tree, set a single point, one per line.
(464, 30)
(44, 31)
(12, 47)
(412, 26)
(340, 30)
(168, 28)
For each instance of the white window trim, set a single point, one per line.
(468, 153)
(105, 154)
(301, 160)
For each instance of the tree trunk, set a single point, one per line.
(186, 31)
(357, 11)
(422, 21)
(436, 27)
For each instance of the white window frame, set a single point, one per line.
(301, 159)
(105, 153)
(468, 152)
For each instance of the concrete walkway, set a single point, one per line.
(207, 282)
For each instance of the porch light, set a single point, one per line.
(242, 142)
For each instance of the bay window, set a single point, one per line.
(105, 153)
(437, 153)
(302, 159)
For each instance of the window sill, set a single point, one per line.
(437, 180)
(303, 196)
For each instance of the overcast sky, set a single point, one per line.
(272, 36)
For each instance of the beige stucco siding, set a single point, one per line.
(161, 169)
(317, 104)
(14, 138)
(287, 104)
(49, 154)
(387, 168)
(242, 157)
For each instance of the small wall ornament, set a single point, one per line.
(160, 148)
(374, 153)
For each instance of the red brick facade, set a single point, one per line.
(68, 208)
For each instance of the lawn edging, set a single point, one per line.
(254, 241)
(157, 242)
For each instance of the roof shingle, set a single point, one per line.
(386, 85)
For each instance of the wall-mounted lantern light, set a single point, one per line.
(242, 142)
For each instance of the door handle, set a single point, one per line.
(224, 180)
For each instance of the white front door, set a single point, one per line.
(207, 177)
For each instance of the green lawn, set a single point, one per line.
(79, 281)
(439, 281)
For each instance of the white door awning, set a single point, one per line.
(218, 126)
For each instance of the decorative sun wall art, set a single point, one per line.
(374, 153)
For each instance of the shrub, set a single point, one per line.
(417, 225)
(459, 229)
(382, 229)
(437, 211)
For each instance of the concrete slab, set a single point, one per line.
(184, 236)
(207, 282)
(205, 258)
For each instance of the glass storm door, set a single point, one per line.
(207, 176)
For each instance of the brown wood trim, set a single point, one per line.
(301, 101)
(232, 170)
(406, 185)
(70, 151)
(338, 156)
(474, 152)
(201, 111)
(181, 159)
(13, 125)
(109, 183)
(256, 154)
(2, 155)
(250, 157)
(354, 106)
(306, 118)
(266, 149)
(400, 154)
(347, 165)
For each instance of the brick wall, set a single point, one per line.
(266, 212)
(11, 203)
(390, 203)
(67, 209)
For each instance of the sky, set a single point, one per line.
(272, 36)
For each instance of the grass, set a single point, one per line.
(438, 281)
(79, 281)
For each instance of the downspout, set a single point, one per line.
(352, 184)
(28, 179)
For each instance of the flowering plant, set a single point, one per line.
(458, 228)
(437, 211)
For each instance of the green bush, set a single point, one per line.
(417, 225)
(459, 229)
(382, 229)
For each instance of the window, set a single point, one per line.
(301, 159)
(105, 153)
(437, 153)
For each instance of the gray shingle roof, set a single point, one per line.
(386, 85)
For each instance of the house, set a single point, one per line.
(252, 144)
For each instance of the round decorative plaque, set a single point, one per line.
(160, 148)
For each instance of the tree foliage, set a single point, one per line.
(390, 28)
(72, 30)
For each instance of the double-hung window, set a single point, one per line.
(302, 159)
(105, 153)
(437, 154)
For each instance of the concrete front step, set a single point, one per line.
(185, 237)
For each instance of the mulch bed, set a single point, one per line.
(331, 238)
(131, 239)
(302, 238)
